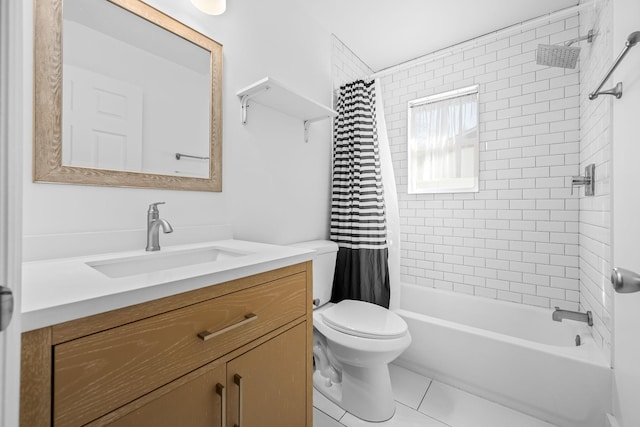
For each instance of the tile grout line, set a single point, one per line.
(422, 400)
(329, 415)
(425, 394)
(502, 406)
(422, 413)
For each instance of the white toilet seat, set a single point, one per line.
(363, 319)
(373, 345)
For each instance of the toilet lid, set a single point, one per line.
(365, 320)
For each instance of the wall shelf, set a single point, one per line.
(273, 94)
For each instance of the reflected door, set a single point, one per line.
(102, 121)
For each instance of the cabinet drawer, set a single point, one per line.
(98, 373)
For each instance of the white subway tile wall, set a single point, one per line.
(518, 238)
(346, 66)
(595, 147)
(523, 237)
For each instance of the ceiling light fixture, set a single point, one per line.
(211, 7)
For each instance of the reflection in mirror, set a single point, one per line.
(443, 142)
(134, 94)
(138, 88)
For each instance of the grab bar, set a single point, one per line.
(632, 40)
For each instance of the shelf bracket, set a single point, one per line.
(307, 123)
(244, 103)
(243, 109)
(306, 130)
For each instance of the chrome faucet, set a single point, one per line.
(154, 222)
(559, 314)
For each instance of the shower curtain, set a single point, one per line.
(357, 204)
(391, 208)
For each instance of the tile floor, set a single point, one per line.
(422, 402)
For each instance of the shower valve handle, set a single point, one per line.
(588, 180)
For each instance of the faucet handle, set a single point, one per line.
(153, 207)
(588, 180)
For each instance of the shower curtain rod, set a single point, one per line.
(469, 44)
(446, 96)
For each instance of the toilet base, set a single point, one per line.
(363, 392)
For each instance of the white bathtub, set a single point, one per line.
(509, 353)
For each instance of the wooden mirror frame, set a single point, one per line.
(47, 98)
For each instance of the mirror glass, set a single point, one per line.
(134, 94)
(125, 95)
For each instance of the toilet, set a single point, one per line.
(353, 343)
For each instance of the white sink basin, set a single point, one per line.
(157, 261)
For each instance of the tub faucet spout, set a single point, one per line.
(559, 314)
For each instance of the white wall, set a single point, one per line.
(625, 208)
(595, 147)
(275, 187)
(517, 239)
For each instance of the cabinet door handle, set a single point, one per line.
(206, 335)
(223, 404)
(238, 380)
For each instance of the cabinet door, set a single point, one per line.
(267, 385)
(199, 401)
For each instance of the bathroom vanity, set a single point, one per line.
(232, 352)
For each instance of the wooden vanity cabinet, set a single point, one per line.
(149, 364)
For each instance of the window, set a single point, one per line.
(443, 142)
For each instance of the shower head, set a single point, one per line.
(557, 56)
(633, 38)
(561, 56)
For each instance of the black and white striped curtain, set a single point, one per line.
(357, 203)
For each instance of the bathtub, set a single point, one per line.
(509, 353)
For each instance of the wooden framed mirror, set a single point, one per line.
(125, 96)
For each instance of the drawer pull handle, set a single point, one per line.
(238, 380)
(206, 335)
(223, 404)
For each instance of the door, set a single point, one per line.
(267, 386)
(11, 137)
(625, 208)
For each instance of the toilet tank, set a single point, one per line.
(324, 264)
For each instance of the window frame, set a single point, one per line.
(444, 96)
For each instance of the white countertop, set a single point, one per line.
(59, 290)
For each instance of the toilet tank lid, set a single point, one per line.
(363, 319)
(320, 246)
